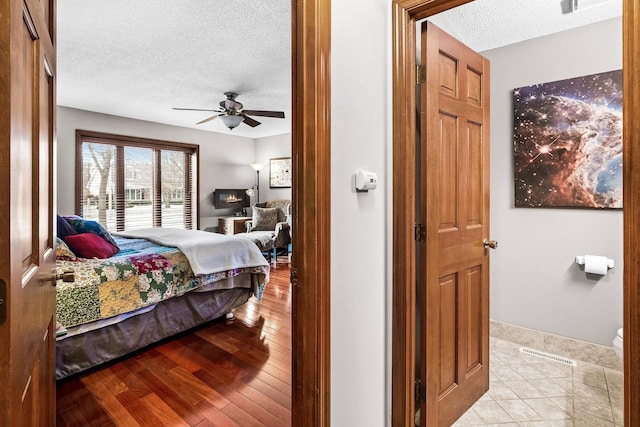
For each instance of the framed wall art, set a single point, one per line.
(568, 142)
(280, 172)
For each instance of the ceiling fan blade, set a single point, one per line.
(248, 120)
(276, 114)
(195, 109)
(207, 119)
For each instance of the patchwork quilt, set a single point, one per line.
(141, 274)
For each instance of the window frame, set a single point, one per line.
(138, 142)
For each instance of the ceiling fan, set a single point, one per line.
(232, 114)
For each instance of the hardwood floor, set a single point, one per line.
(223, 373)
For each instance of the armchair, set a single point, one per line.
(269, 228)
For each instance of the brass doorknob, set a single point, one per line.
(493, 244)
(65, 276)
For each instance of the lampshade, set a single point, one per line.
(257, 166)
(231, 121)
(249, 192)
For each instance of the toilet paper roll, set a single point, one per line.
(595, 264)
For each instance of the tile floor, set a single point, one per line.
(528, 391)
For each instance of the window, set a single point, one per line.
(128, 183)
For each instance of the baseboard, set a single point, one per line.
(556, 344)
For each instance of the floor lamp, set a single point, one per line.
(257, 167)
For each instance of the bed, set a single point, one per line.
(159, 283)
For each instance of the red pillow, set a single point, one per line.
(89, 245)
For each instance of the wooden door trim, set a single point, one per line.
(631, 196)
(311, 155)
(404, 217)
(405, 13)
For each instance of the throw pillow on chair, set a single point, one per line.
(264, 219)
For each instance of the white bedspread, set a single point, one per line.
(207, 252)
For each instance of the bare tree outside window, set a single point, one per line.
(103, 159)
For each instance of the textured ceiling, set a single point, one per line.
(487, 24)
(140, 58)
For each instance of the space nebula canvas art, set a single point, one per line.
(568, 142)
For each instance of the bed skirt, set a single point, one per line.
(77, 353)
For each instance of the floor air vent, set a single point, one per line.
(549, 356)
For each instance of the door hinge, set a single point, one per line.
(3, 301)
(293, 276)
(420, 232)
(420, 391)
(421, 74)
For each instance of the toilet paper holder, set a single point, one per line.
(580, 261)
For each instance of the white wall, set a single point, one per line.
(270, 148)
(359, 141)
(534, 280)
(224, 159)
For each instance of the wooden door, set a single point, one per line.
(453, 276)
(27, 295)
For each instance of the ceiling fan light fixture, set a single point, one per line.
(232, 113)
(231, 121)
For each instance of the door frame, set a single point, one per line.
(631, 211)
(405, 13)
(311, 197)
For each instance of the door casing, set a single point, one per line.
(311, 167)
(405, 13)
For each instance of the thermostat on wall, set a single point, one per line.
(366, 181)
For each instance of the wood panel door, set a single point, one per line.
(27, 256)
(453, 276)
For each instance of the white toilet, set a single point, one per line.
(617, 343)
